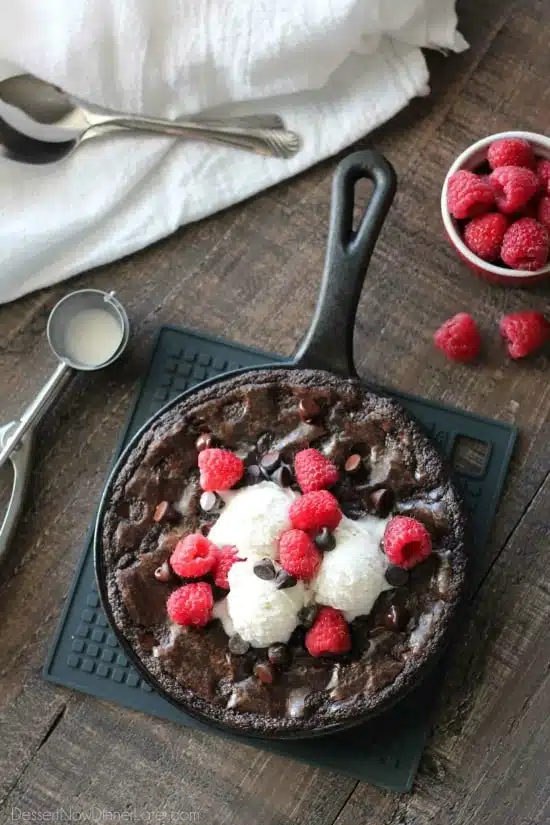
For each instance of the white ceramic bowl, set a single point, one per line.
(470, 159)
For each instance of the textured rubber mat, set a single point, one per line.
(85, 654)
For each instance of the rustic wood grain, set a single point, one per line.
(158, 765)
(487, 761)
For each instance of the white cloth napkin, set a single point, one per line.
(334, 69)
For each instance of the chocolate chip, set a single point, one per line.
(382, 500)
(163, 573)
(252, 474)
(165, 513)
(279, 655)
(282, 476)
(396, 618)
(270, 461)
(325, 540)
(307, 615)
(264, 672)
(209, 502)
(237, 645)
(284, 580)
(298, 638)
(353, 463)
(205, 529)
(396, 576)
(265, 570)
(308, 409)
(204, 442)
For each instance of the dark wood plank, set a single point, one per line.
(110, 759)
(25, 724)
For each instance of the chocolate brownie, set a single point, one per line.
(387, 467)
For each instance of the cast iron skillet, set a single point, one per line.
(328, 345)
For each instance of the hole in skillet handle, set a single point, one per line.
(328, 343)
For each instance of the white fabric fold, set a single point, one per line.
(334, 69)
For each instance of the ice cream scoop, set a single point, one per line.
(261, 613)
(254, 519)
(351, 576)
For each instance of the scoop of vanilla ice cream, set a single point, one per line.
(259, 612)
(253, 520)
(351, 576)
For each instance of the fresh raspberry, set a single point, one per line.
(543, 174)
(194, 556)
(314, 471)
(226, 558)
(524, 332)
(315, 510)
(525, 245)
(543, 212)
(483, 235)
(513, 186)
(220, 469)
(469, 194)
(191, 604)
(406, 541)
(459, 338)
(329, 633)
(511, 152)
(298, 554)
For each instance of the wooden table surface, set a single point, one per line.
(487, 761)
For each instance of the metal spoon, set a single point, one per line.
(48, 104)
(52, 116)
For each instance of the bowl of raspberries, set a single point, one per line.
(495, 204)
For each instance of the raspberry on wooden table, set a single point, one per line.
(225, 559)
(513, 187)
(524, 332)
(314, 471)
(191, 604)
(315, 510)
(511, 152)
(459, 338)
(483, 235)
(329, 634)
(407, 541)
(298, 554)
(469, 195)
(220, 469)
(525, 245)
(194, 556)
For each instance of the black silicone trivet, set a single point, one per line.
(85, 654)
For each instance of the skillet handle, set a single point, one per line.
(328, 343)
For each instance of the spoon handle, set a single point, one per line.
(263, 120)
(276, 142)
